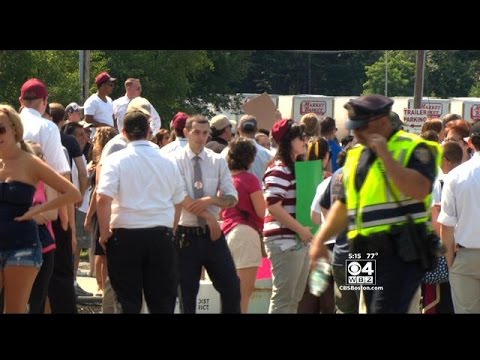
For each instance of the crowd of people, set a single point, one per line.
(156, 208)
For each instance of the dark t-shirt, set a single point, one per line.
(87, 151)
(72, 146)
(335, 188)
(217, 145)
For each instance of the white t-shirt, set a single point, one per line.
(100, 110)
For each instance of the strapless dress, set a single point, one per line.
(15, 199)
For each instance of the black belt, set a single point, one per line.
(155, 228)
(193, 230)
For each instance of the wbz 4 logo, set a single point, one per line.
(360, 272)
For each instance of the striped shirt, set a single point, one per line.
(279, 185)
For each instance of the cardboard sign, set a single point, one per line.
(263, 108)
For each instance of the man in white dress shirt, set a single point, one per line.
(139, 199)
(199, 239)
(133, 89)
(460, 229)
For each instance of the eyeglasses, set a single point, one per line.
(3, 130)
(364, 127)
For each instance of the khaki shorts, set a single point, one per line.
(244, 244)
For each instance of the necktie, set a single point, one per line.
(198, 184)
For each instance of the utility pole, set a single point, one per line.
(309, 73)
(84, 71)
(419, 75)
(386, 72)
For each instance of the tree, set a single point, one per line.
(449, 73)
(215, 84)
(302, 72)
(60, 71)
(14, 71)
(166, 75)
(400, 74)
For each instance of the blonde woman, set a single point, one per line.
(20, 171)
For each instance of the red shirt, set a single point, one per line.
(243, 213)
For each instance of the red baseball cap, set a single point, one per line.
(280, 129)
(34, 89)
(103, 77)
(179, 120)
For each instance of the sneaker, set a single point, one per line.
(80, 292)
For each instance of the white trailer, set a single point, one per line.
(468, 108)
(295, 106)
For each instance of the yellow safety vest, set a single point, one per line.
(373, 208)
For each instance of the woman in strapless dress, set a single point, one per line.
(20, 171)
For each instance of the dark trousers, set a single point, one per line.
(197, 250)
(61, 292)
(39, 292)
(346, 301)
(323, 304)
(400, 280)
(143, 260)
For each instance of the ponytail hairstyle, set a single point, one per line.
(16, 123)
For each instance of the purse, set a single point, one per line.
(438, 275)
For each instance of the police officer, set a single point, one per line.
(387, 183)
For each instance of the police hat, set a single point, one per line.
(364, 108)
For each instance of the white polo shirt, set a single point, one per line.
(144, 186)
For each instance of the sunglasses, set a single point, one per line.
(3, 130)
(361, 128)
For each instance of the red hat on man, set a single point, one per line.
(179, 120)
(103, 77)
(33, 89)
(280, 129)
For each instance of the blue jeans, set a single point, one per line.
(197, 250)
(31, 256)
